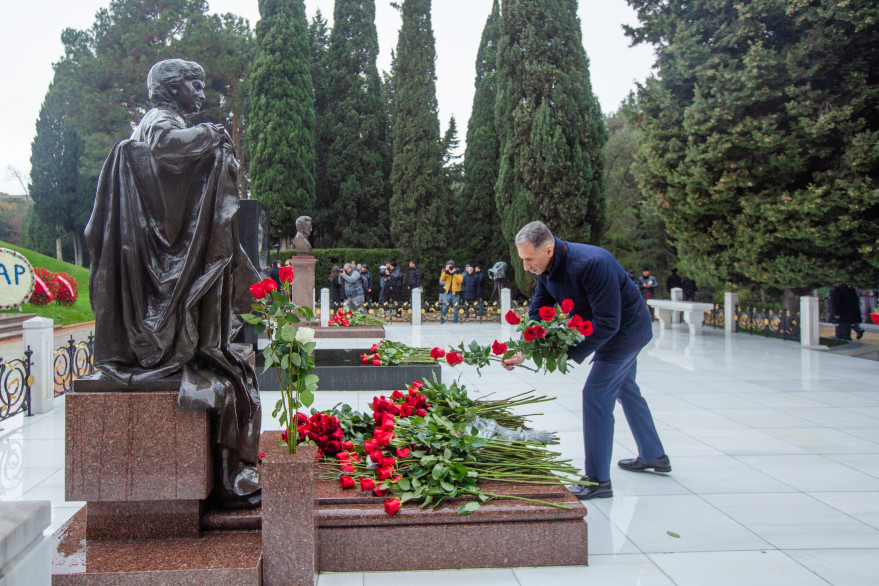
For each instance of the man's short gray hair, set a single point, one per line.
(536, 233)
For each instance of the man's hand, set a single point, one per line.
(513, 361)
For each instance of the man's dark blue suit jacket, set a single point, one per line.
(602, 292)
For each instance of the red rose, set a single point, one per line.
(396, 478)
(546, 313)
(367, 484)
(376, 362)
(284, 436)
(512, 318)
(586, 329)
(348, 446)
(388, 421)
(403, 452)
(286, 275)
(348, 468)
(370, 446)
(258, 291)
(540, 332)
(384, 472)
(261, 456)
(406, 410)
(529, 334)
(355, 457)
(392, 506)
(396, 394)
(364, 358)
(498, 348)
(376, 456)
(342, 456)
(575, 322)
(388, 462)
(875, 318)
(420, 413)
(437, 353)
(269, 285)
(567, 306)
(420, 385)
(380, 491)
(454, 358)
(346, 481)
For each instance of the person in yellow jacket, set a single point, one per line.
(451, 279)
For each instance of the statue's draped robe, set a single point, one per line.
(169, 279)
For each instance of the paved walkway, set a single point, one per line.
(775, 453)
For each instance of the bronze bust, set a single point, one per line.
(303, 231)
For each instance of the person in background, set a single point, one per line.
(451, 280)
(867, 299)
(364, 272)
(275, 273)
(413, 277)
(690, 288)
(673, 280)
(469, 289)
(396, 280)
(353, 286)
(337, 290)
(844, 305)
(384, 275)
(647, 284)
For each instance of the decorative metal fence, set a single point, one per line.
(15, 385)
(784, 324)
(431, 312)
(73, 360)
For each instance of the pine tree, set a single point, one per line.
(319, 42)
(484, 240)
(356, 181)
(760, 139)
(419, 212)
(550, 126)
(282, 115)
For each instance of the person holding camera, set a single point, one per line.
(451, 280)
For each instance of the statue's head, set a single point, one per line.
(177, 83)
(303, 225)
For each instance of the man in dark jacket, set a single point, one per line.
(603, 293)
(414, 276)
(674, 280)
(469, 289)
(846, 310)
(396, 280)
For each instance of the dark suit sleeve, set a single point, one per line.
(603, 291)
(541, 298)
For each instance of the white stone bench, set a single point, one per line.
(693, 313)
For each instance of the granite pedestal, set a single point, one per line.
(302, 291)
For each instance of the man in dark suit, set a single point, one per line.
(603, 293)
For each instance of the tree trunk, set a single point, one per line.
(59, 254)
(77, 249)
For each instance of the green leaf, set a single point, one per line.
(439, 471)
(288, 333)
(293, 318)
(447, 486)
(311, 379)
(404, 484)
(468, 508)
(251, 318)
(285, 362)
(673, 534)
(306, 397)
(296, 359)
(447, 454)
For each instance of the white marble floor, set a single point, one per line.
(775, 453)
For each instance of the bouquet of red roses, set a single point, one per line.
(546, 341)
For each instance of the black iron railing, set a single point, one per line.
(783, 324)
(73, 360)
(16, 381)
(431, 312)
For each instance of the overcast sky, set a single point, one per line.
(30, 41)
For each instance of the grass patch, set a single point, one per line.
(62, 315)
(830, 342)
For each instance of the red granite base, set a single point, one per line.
(214, 558)
(143, 519)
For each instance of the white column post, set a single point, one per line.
(730, 303)
(677, 294)
(809, 321)
(506, 304)
(325, 308)
(416, 306)
(37, 334)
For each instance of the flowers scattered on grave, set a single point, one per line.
(388, 353)
(546, 341)
(290, 351)
(346, 317)
(433, 443)
(875, 318)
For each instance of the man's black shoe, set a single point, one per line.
(860, 334)
(638, 465)
(599, 490)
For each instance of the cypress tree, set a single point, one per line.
(550, 126)
(484, 240)
(756, 139)
(357, 187)
(319, 42)
(282, 115)
(419, 213)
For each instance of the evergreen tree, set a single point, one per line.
(550, 126)
(760, 139)
(282, 115)
(55, 181)
(357, 185)
(319, 42)
(420, 215)
(484, 239)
